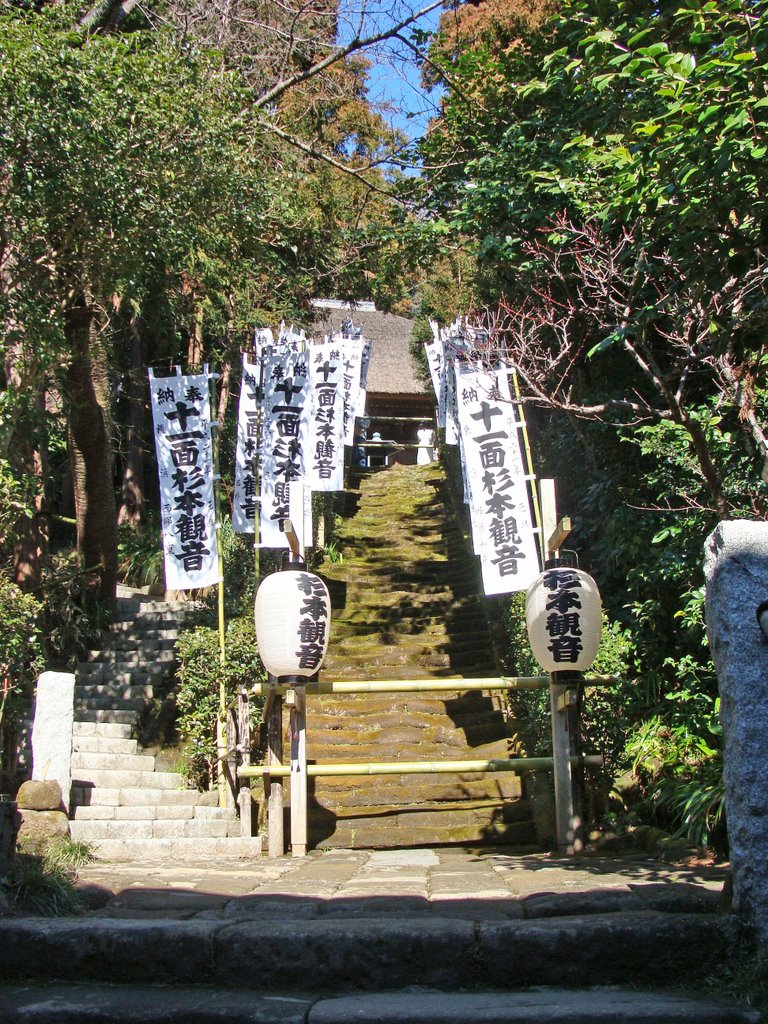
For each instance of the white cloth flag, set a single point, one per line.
(285, 435)
(436, 363)
(362, 394)
(325, 454)
(451, 407)
(352, 355)
(500, 508)
(182, 419)
(245, 501)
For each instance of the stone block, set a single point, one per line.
(736, 573)
(39, 795)
(52, 731)
(39, 828)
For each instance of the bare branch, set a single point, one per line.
(355, 45)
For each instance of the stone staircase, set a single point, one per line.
(123, 801)
(407, 605)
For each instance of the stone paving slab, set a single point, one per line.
(474, 884)
(79, 1004)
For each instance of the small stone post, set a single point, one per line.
(736, 571)
(52, 731)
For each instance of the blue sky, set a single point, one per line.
(394, 83)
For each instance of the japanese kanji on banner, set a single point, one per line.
(326, 438)
(365, 362)
(284, 435)
(499, 504)
(436, 363)
(245, 501)
(182, 421)
(352, 358)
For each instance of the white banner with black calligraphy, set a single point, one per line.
(182, 422)
(285, 434)
(499, 502)
(245, 501)
(352, 355)
(325, 454)
(365, 362)
(436, 363)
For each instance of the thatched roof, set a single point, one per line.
(391, 370)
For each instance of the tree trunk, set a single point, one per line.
(90, 447)
(133, 501)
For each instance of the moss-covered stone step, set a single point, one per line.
(415, 790)
(379, 833)
(407, 604)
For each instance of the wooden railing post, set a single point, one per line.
(244, 749)
(299, 772)
(229, 763)
(273, 785)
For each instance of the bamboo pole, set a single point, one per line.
(274, 784)
(221, 741)
(537, 514)
(515, 764)
(425, 685)
(298, 773)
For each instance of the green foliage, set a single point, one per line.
(44, 886)
(618, 150)
(21, 654)
(200, 674)
(140, 554)
(72, 618)
(15, 501)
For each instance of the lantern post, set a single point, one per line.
(563, 620)
(292, 616)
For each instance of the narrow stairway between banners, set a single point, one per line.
(407, 605)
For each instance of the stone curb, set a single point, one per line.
(79, 1004)
(369, 953)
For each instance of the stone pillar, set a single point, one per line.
(736, 571)
(52, 731)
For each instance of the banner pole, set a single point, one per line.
(221, 732)
(529, 461)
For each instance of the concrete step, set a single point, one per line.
(102, 716)
(94, 830)
(123, 1004)
(105, 703)
(144, 812)
(86, 796)
(365, 953)
(181, 849)
(107, 730)
(115, 779)
(96, 761)
(118, 692)
(103, 745)
(123, 660)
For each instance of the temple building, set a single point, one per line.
(399, 400)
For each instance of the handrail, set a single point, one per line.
(424, 685)
(514, 764)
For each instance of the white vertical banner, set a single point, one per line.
(325, 454)
(245, 500)
(365, 362)
(285, 434)
(501, 512)
(436, 363)
(352, 356)
(181, 414)
(451, 407)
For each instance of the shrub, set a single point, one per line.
(21, 660)
(199, 673)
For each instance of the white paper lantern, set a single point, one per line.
(563, 619)
(293, 619)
